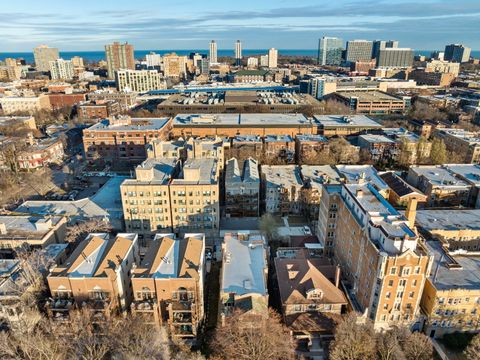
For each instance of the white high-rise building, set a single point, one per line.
(264, 60)
(153, 59)
(213, 52)
(139, 80)
(252, 62)
(238, 53)
(272, 58)
(61, 69)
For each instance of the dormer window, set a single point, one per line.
(314, 294)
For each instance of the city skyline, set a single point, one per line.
(187, 25)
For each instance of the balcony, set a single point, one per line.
(144, 305)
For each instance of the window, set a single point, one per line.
(411, 294)
(387, 295)
(390, 282)
(393, 271)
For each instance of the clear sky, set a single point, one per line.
(185, 24)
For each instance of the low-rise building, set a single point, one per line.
(34, 231)
(242, 188)
(40, 152)
(462, 142)
(207, 148)
(174, 149)
(451, 298)
(96, 276)
(123, 138)
(60, 101)
(243, 282)
(371, 102)
(100, 109)
(400, 193)
(282, 189)
(442, 187)
(280, 147)
(379, 147)
(343, 125)
(12, 123)
(20, 104)
(244, 146)
(309, 292)
(167, 196)
(361, 174)
(309, 147)
(168, 285)
(413, 147)
(125, 99)
(251, 76)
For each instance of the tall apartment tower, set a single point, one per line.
(272, 58)
(359, 50)
(457, 53)
(381, 45)
(43, 55)
(119, 56)
(395, 58)
(213, 52)
(238, 53)
(330, 51)
(61, 69)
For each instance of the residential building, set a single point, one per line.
(309, 148)
(424, 77)
(167, 196)
(382, 45)
(330, 51)
(96, 276)
(252, 63)
(61, 69)
(242, 188)
(371, 102)
(153, 60)
(43, 55)
(309, 293)
(123, 138)
(442, 187)
(314, 177)
(400, 193)
(450, 300)
(457, 53)
(395, 58)
(175, 149)
(21, 104)
(139, 80)
(40, 152)
(77, 62)
(444, 67)
(264, 60)
(17, 122)
(126, 100)
(358, 50)
(363, 67)
(469, 173)
(379, 147)
(207, 148)
(413, 148)
(320, 87)
(251, 76)
(383, 263)
(238, 53)
(100, 109)
(36, 231)
(272, 58)
(281, 186)
(10, 73)
(232, 125)
(343, 125)
(279, 147)
(212, 55)
(462, 142)
(361, 174)
(243, 282)
(60, 101)
(175, 66)
(243, 147)
(119, 56)
(168, 285)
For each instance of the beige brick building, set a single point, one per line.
(384, 264)
(167, 196)
(168, 284)
(95, 276)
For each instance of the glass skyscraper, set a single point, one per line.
(330, 51)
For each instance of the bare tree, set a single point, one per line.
(353, 340)
(268, 226)
(253, 338)
(78, 232)
(343, 152)
(438, 154)
(472, 351)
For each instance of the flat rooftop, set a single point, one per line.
(439, 176)
(161, 171)
(473, 138)
(238, 120)
(468, 172)
(335, 121)
(355, 174)
(205, 172)
(318, 175)
(369, 95)
(453, 271)
(456, 219)
(27, 226)
(136, 124)
(282, 175)
(374, 139)
(311, 138)
(244, 264)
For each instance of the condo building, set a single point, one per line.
(330, 51)
(139, 80)
(212, 56)
(61, 69)
(119, 56)
(384, 263)
(359, 50)
(168, 284)
(43, 55)
(242, 188)
(457, 53)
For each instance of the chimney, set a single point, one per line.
(359, 193)
(337, 276)
(3, 229)
(411, 212)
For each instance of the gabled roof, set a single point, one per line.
(401, 187)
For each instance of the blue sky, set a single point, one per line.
(182, 24)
